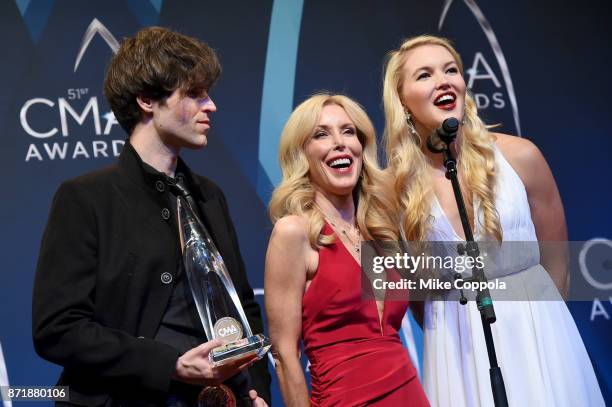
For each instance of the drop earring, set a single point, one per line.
(410, 124)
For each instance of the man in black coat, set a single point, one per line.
(111, 300)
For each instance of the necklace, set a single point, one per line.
(355, 244)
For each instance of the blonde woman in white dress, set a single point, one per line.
(510, 195)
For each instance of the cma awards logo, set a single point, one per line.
(77, 107)
(480, 70)
(597, 252)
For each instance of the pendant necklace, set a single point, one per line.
(355, 244)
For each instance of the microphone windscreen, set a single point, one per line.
(450, 125)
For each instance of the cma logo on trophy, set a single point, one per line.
(228, 329)
(55, 123)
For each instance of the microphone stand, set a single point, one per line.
(447, 134)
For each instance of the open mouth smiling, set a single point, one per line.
(343, 163)
(446, 101)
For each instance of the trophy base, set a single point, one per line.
(217, 396)
(254, 345)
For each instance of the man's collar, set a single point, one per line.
(142, 172)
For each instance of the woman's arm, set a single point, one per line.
(288, 261)
(545, 203)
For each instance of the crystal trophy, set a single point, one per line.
(214, 293)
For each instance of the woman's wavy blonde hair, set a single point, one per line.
(412, 186)
(296, 195)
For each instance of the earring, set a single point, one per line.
(410, 124)
(464, 120)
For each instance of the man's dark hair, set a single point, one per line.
(153, 64)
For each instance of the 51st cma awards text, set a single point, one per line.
(75, 109)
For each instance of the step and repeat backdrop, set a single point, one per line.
(539, 69)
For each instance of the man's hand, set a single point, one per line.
(256, 401)
(194, 367)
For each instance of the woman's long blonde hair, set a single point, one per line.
(296, 195)
(412, 186)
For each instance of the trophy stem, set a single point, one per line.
(213, 291)
(201, 258)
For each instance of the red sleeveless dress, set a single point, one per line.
(356, 360)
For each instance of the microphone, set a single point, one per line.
(446, 133)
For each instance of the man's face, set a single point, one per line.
(183, 120)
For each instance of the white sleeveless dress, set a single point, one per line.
(540, 352)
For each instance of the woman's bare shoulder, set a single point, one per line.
(291, 227)
(516, 148)
(520, 152)
(290, 245)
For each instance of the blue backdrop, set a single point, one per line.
(540, 69)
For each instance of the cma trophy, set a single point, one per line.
(213, 291)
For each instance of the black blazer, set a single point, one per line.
(104, 277)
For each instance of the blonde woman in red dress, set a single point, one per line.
(328, 201)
